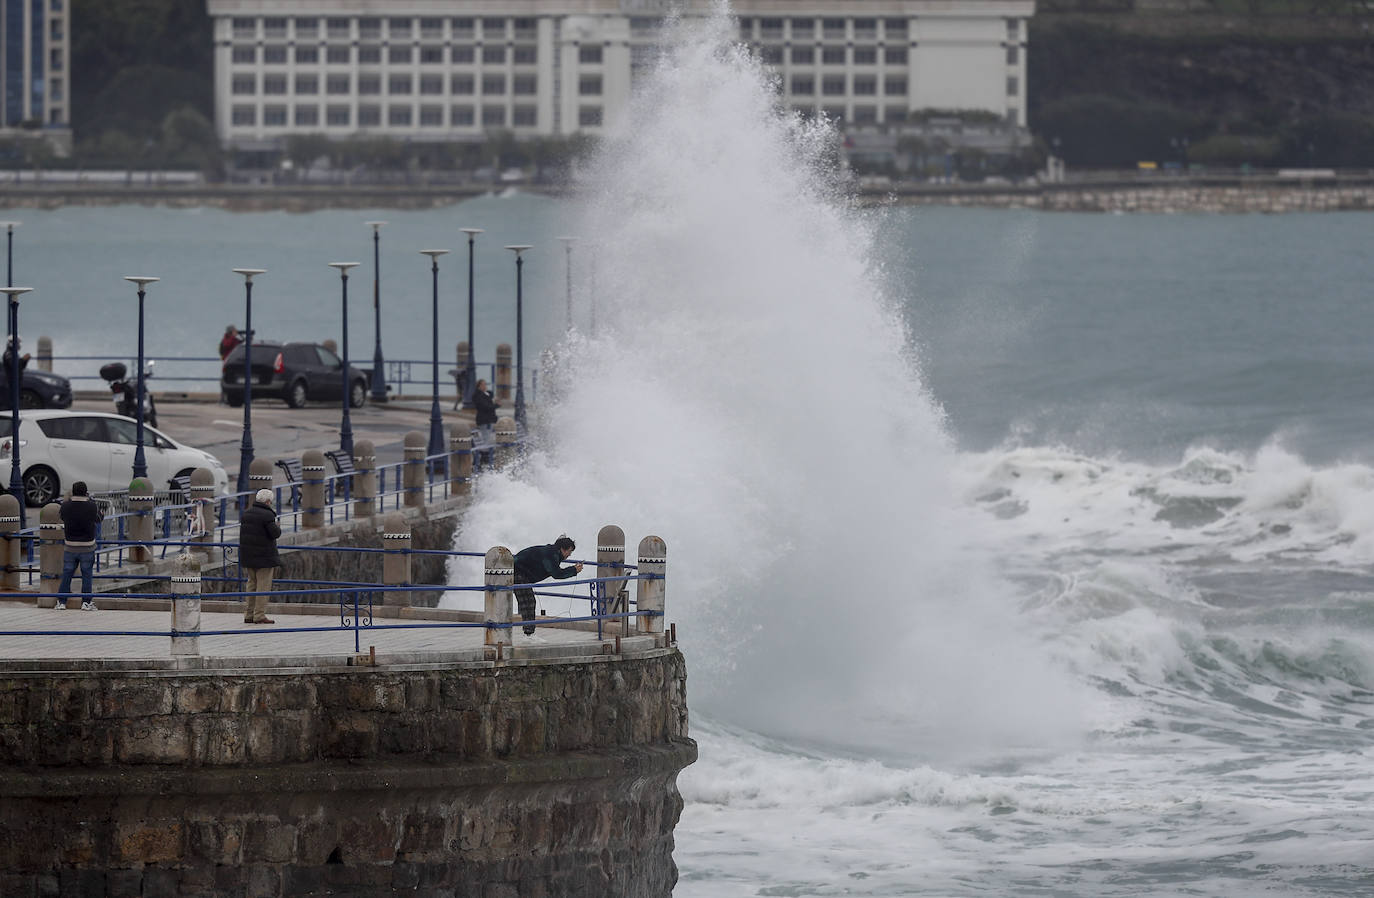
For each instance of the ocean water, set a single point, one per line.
(1011, 553)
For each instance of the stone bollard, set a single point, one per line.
(413, 471)
(503, 368)
(312, 488)
(396, 561)
(142, 501)
(260, 477)
(10, 543)
(186, 605)
(202, 493)
(499, 569)
(505, 442)
(653, 559)
(459, 460)
(51, 536)
(44, 358)
(610, 562)
(365, 480)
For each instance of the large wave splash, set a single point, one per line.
(750, 395)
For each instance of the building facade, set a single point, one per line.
(35, 47)
(454, 70)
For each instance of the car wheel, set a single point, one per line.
(295, 394)
(41, 486)
(357, 394)
(30, 399)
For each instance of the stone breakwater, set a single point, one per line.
(496, 779)
(1189, 196)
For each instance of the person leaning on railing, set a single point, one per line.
(81, 522)
(538, 563)
(258, 533)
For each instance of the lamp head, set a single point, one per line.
(519, 248)
(472, 232)
(10, 226)
(249, 272)
(15, 292)
(434, 253)
(376, 225)
(568, 241)
(141, 281)
(344, 266)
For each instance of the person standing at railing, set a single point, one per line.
(538, 563)
(486, 406)
(81, 521)
(258, 533)
(229, 341)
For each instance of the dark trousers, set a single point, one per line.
(84, 559)
(525, 599)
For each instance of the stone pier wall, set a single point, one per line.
(1157, 197)
(487, 779)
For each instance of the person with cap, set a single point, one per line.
(258, 533)
(81, 522)
(537, 563)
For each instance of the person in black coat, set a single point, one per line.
(258, 533)
(485, 404)
(81, 520)
(538, 563)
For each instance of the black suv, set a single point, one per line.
(37, 389)
(294, 372)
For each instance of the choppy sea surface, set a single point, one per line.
(1012, 553)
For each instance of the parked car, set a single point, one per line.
(294, 372)
(57, 448)
(37, 389)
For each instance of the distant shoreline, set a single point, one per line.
(1153, 193)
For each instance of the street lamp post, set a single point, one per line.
(9, 251)
(140, 458)
(346, 425)
(519, 249)
(246, 447)
(378, 374)
(470, 373)
(16, 482)
(436, 421)
(567, 272)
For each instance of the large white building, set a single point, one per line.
(35, 48)
(455, 70)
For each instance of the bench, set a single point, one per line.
(343, 466)
(180, 485)
(291, 467)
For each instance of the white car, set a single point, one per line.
(57, 448)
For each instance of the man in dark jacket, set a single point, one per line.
(485, 403)
(537, 563)
(81, 521)
(258, 532)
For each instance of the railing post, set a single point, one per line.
(505, 442)
(413, 473)
(365, 479)
(460, 460)
(52, 536)
(312, 488)
(10, 541)
(503, 366)
(260, 476)
(203, 495)
(142, 500)
(653, 559)
(499, 569)
(44, 358)
(610, 562)
(186, 605)
(396, 561)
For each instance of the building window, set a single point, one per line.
(55, 89)
(338, 117)
(589, 54)
(493, 55)
(399, 85)
(431, 116)
(865, 115)
(431, 85)
(369, 116)
(463, 54)
(493, 116)
(463, 28)
(369, 85)
(244, 115)
(589, 85)
(525, 54)
(400, 28)
(895, 29)
(369, 29)
(803, 85)
(432, 54)
(431, 28)
(339, 28)
(524, 28)
(894, 114)
(524, 116)
(398, 116)
(337, 55)
(493, 85)
(1012, 86)
(307, 84)
(274, 85)
(746, 29)
(865, 29)
(369, 54)
(1013, 30)
(274, 26)
(307, 55)
(1013, 54)
(770, 29)
(895, 55)
(338, 84)
(307, 28)
(832, 55)
(461, 116)
(462, 85)
(589, 116)
(649, 28)
(525, 85)
(771, 55)
(245, 85)
(398, 55)
(245, 27)
(803, 55)
(274, 54)
(865, 86)
(274, 116)
(245, 55)
(866, 55)
(833, 85)
(833, 28)
(895, 85)
(308, 116)
(803, 29)
(493, 28)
